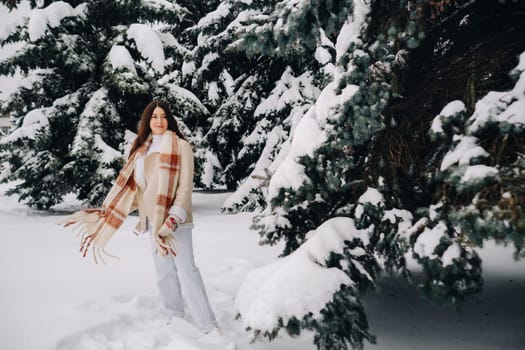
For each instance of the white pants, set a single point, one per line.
(179, 275)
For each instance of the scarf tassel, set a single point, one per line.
(165, 245)
(86, 223)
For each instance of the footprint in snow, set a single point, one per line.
(137, 325)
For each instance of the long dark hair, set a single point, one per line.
(144, 128)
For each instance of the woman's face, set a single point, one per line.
(158, 123)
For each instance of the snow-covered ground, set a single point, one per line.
(52, 298)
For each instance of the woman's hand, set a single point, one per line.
(165, 236)
(169, 226)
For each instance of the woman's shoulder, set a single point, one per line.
(185, 146)
(184, 143)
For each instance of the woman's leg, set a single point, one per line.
(168, 283)
(191, 281)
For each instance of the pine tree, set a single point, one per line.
(232, 82)
(93, 69)
(439, 214)
(277, 71)
(230, 85)
(290, 98)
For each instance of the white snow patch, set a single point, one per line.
(149, 45)
(322, 55)
(351, 29)
(184, 93)
(108, 154)
(437, 125)
(33, 121)
(405, 219)
(215, 16)
(307, 137)
(506, 106)
(329, 100)
(452, 252)
(81, 10)
(478, 172)
(298, 283)
(208, 59)
(451, 109)
(50, 16)
(359, 211)
(188, 68)
(163, 4)
(487, 109)
(372, 196)
(169, 39)
(465, 150)
(433, 210)
(119, 56)
(429, 239)
(324, 39)
(210, 166)
(10, 19)
(129, 138)
(521, 65)
(213, 91)
(227, 81)
(289, 90)
(514, 114)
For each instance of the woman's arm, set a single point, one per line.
(182, 203)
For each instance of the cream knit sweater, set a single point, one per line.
(181, 208)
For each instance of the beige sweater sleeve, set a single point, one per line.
(181, 207)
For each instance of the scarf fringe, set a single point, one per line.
(99, 253)
(85, 224)
(165, 245)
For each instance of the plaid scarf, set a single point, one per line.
(97, 225)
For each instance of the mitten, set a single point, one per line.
(165, 236)
(169, 226)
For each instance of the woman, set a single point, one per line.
(157, 179)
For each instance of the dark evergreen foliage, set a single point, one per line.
(379, 140)
(70, 68)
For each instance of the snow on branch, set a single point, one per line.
(465, 150)
(149, 45)
(350, 31)
(119, 56)
(163, 5)
(222, 11)
(448, 112)
(50, 16)
(298, 284)
(33, 122)
(505, 107)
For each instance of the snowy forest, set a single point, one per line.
(361, 133)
